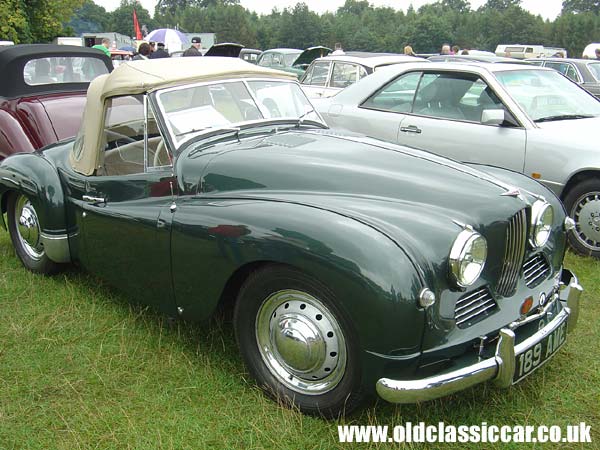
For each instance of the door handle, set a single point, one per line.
(93, 200)
(411, 129)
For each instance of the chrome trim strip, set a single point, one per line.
(499, 368)
(516, 237)
(56, 247)
(10, 180)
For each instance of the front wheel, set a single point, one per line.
(583, 205)
(25, 234)
(296, 343)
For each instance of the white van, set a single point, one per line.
(520, 51)
(590, 50)
(6, 43)
(68, 40)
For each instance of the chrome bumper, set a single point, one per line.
(500, 368)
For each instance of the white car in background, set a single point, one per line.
(328, 75)
(525, 118)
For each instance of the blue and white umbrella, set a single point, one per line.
(174, 40)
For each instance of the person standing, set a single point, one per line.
(143, 52)
(160, 52)
(408, 50)
(194, 49)
(338, 50)
(104, 47)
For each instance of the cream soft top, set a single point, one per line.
(139, 77)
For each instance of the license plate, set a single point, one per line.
(536, 355)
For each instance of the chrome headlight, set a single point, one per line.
(542, 217)
(467, 257)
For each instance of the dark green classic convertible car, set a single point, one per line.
(355, 266)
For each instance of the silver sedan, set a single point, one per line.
(529, 119)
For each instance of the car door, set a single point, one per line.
(315, 80)
(343, 75)
(566, 68)
(381, 114)
(123, 211)
(446, 118)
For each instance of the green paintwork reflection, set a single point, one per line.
(373, 221)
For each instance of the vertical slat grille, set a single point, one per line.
(473, 307)
(535, 270)
(516, 237)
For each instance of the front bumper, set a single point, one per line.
(500, 368)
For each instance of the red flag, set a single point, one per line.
(136, 26)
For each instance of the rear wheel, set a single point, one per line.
(583, 205)
(296, 343)
(25, 233)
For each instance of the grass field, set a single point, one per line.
(80, 368)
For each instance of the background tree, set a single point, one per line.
(501, 5)
(14, 25)
(121, 19)
(90, 18)
(24, 21)
(581, 6)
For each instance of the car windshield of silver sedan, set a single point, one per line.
(198, 109)
(548, 95)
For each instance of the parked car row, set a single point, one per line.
(524, 118)
(357, 267)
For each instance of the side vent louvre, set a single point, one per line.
(536, 269)
(473, 307)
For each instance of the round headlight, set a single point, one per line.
(467, 257)
(542, 217)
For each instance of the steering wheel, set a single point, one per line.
(160, 148)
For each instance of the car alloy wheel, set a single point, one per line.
(301, 342)
(583, 205)
(587, 218)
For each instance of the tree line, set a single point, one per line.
(357, 24)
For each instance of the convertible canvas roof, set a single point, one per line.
(140, 77)
(13, 59)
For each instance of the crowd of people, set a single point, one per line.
(152, 50)
(156, 50)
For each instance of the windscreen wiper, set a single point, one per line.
(563, 117)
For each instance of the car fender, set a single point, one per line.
(13, 138)
(375, 282)
(35, 177)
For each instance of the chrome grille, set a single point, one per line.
(473, 306)
(536, 269)
(514, 251)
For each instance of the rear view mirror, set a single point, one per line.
(492, 116)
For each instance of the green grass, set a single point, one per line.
(82, 368)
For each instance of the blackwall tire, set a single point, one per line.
(296, 342)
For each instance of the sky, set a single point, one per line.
(548, 9)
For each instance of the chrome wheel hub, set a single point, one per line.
(301, 342)
(587, 218)
(28, 228)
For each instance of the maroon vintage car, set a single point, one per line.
(43, 93)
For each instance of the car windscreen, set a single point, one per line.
(545, 94)
(290, 58)
(63, 69)
(196, 109)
